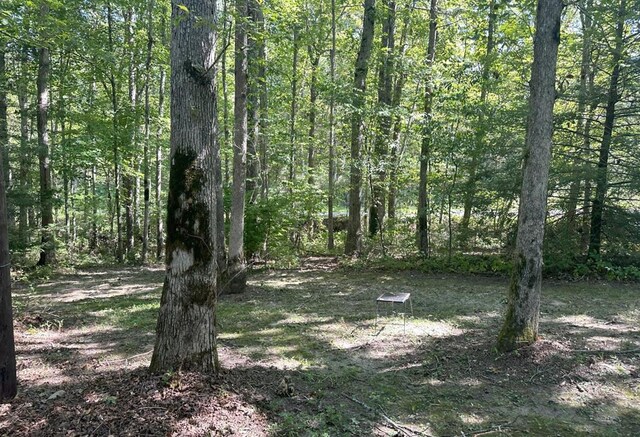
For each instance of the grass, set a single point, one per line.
(441, 377)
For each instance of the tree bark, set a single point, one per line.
(353, 243)
(427, 140)
(520, 326)
(597, 208)
(186, 330)
(237, 279)
(47, 250)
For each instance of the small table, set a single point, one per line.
(392, 299)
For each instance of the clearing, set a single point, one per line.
(301, 356)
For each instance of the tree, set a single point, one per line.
(237, 268)
(186, 330)
(381, 148)
(353, 242)
(8, 381)
(427, 140)
(605, 146)
(46, 189)
(520, 325)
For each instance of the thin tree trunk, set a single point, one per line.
(353, 243)
(25, 153)
(147, 132)
(116, 141)
(585, 78)
(427, 140)
(159, 142)
(520, 326)
(237, 278)
(129, 153)
(397, 125)
(4, 133)
(381, 148)
(597, 209)
(261, 78)
(294, 109)
(253, 108)
(46, 190)
(314, 57)
(332, 130)
(186, 330)
(481, 130)
(8, 381)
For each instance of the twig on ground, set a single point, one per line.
(128, 358)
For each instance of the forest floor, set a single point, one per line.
(301, 355)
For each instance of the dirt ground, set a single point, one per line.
(302, 355)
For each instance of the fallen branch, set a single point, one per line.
(399, 428)
(602, 351)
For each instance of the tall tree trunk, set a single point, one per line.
(332, 130)
(116, 141)
(427, 140)
(147, 132)
(4, 133)
(159, 142)
(597, 209)
(353, 243)
(237, 269)
(25, 152)
(314, 58)
(586, 77)
(381, 147)
(261, 78)
(253, 107)
(397, 125)
(8, 381)
(225, 96)
(46, 190)
(520, 326)
(129, 153)
(186, 330)
(481, 131)
(294, 109)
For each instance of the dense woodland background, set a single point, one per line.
(84, 117)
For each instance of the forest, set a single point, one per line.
(205, 203)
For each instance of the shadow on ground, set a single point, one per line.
(312, 333)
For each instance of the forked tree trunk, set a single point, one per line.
(353, 243)
(186, 330)
(520, 326)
